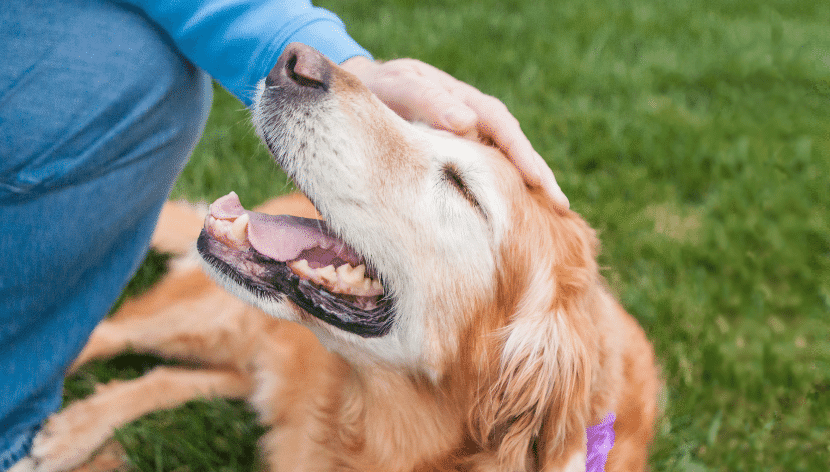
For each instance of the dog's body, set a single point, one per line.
(469, 329)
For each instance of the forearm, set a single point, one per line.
(238, 41)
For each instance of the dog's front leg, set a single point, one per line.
(70, 436)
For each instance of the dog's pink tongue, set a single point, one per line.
(281, 238)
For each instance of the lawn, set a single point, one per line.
(695, 136)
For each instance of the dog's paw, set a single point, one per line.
(68, 438)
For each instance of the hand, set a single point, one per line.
(418, 91)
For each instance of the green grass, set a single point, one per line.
(695, 136)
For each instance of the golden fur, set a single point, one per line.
(539, 398)
(507, 371)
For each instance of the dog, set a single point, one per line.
(422, 310)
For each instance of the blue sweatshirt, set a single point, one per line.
(237, 42)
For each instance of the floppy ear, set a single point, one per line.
(536, 411)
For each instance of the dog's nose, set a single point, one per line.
(301, 65)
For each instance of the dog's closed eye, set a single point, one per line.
(452, 176)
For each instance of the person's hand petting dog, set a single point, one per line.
(420, 92)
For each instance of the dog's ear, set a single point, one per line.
(536, 410)
(533, 410)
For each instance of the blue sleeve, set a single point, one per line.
(237, 42)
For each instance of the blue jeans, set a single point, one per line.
(98, 114)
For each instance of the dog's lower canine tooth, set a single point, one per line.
(239, 228)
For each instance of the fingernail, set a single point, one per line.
(460, 117)
(553, 189)
(548, 181)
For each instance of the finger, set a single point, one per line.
(418, 91)
(431, 104)
(439, 98)
(497, 123)
(551, 186)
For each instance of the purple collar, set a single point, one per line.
(600, 441)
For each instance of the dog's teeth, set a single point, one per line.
(351, 275)
(344, 271)
(359, 272)
(239, 228)
(328, 274)
(301, 267)
(371, 288)
(377, 287)
(345, 279)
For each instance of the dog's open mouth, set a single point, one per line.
(276, 256)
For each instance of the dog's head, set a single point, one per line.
(434, 258)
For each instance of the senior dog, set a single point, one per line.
(461, 319)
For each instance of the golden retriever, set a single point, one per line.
(461, 319)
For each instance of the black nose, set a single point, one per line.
(301, 65)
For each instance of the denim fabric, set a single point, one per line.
(98, 114)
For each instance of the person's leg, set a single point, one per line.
(98, 114)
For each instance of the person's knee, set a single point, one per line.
(98, 113)
(104, 88)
